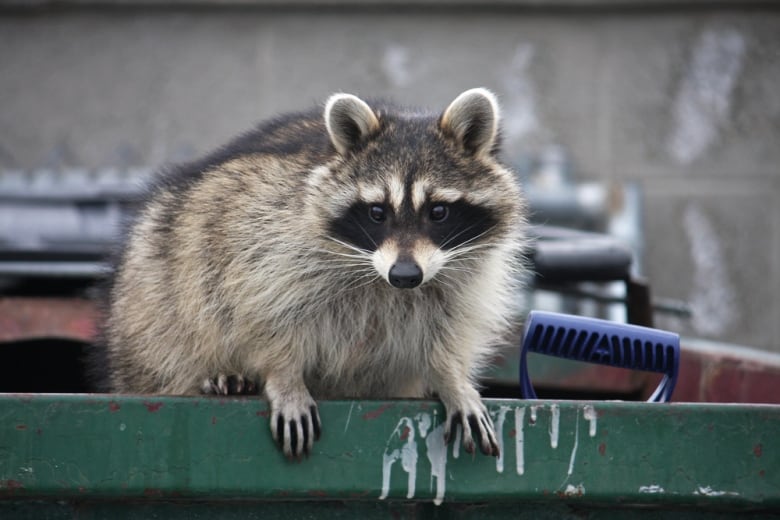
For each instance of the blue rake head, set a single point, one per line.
(603, 342)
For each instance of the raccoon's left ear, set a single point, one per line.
(473, 120)
(349, 120)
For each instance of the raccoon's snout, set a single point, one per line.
(405, 275)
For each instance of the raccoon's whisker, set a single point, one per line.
(464, 256)
(449, 238)
(359, 253)
(472, 239)
(346, 255)
(365, 265)
(348, 245)
(364, 231)
(357, 283)
(466, 247)
(445, 279)
(459, 269)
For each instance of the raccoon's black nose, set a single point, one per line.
(405, 275)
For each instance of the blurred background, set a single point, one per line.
(654, 121)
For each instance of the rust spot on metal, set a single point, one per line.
(152, 407)
(512, 433)
(405, 433)
(113, 406)
(317, 493)
(263, 413)
(374, 414)
(21, 426)
(602, 449)
(153, 492)
(758, 450)
(761, 473)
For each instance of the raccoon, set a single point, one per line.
(368, 252)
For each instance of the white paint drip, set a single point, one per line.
(574, 448)
(572, 491)
(703, 101)
(458, 439)
(409, 462)
(437, 456)
(652, 488)
(533, 414)
(555, 419)
(713, 297)
(708, 491)
(388, 459)
(349, 416)
(520, 440)
(592, 417)
(423, 423)
(407, 454)
(501, 417)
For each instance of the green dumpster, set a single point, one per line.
(103, 456)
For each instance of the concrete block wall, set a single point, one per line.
(682, 99)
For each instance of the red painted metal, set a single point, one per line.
(39, 318)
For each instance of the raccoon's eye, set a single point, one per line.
(439, 212)
(376, 213)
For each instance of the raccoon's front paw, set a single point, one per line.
(229, 385)
(475, 421)
(295, 425)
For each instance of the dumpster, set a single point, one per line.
(94, 456)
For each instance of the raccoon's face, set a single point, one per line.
(417, 195)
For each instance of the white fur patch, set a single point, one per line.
(318, 175)
(384, 258)
(446, 195)
(422, 191)
(429, 258)
(370, 193)
(419, 192)
(396, 187)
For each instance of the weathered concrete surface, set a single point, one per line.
(684, 101)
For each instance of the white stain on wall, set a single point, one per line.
(519, 107)
(713, 297)
(703, 101)
(397, 65)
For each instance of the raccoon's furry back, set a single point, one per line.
(255, 260)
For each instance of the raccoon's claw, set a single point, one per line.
(229, 385)
(295, 428)
(476, 425)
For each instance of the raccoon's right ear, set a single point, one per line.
(473, 120)
(349, 120)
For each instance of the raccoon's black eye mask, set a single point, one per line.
(448, 225)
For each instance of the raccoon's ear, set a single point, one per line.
(472, 119)
(349, 121)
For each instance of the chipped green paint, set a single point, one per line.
(69, 447)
